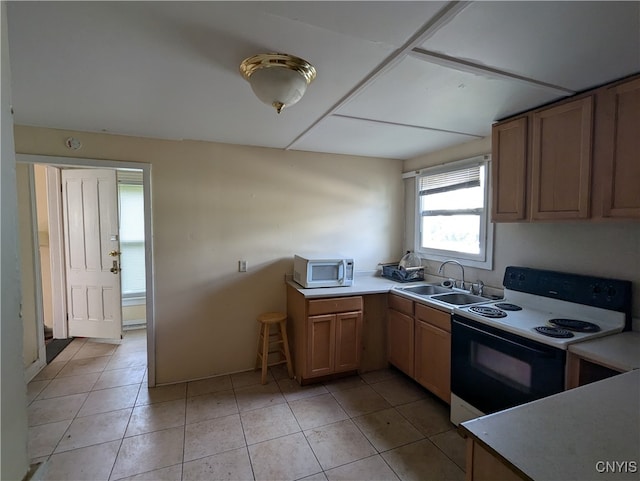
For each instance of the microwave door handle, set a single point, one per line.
(342, 271)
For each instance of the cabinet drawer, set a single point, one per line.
(401, 304)
(434, 317)
(333, 305)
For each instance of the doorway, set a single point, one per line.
(134, 199)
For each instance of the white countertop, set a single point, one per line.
(620, 351)
(365, 283)
(565, 436)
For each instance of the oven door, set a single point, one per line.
(493, 370)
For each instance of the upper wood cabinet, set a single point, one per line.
(576, 159)
(509, 170)
(618, 151)
(561, 161)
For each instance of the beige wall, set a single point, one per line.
(134, 313)
(607, 249)
(214, 204)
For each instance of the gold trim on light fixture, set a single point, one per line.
(279, 92)
(269, 60)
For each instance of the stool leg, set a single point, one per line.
(285, 340)
(260, 334)
(265, 353)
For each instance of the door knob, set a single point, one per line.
(115, 269)
(115, 253)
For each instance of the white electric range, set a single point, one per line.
(521, 313)
(509, 352)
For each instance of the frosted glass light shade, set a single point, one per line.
(278, 86)
(277, 79)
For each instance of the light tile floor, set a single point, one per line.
(92, 417)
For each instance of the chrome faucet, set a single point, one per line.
(459, 265)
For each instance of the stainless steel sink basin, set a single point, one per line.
(426, 290)
(459, 298)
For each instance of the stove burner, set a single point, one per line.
(553, 332)
(574, 325)
(507, 306)
(486, 311)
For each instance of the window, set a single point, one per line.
(452, 213)
(133, 275)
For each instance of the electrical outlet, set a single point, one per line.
(242, 266)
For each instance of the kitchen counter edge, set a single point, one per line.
(553, 438)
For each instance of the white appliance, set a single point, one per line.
(329, 271)
(513, 351)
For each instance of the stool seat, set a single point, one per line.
(267, 341)
(272, 317)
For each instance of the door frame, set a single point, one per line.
(36, 366)
(57, 242)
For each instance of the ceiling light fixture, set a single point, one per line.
(278, 79)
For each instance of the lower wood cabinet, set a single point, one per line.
(581, 371)
(326, 334)
(400, 333)
(482, 465)
(334, 343)
(432, 350)
(419, 344)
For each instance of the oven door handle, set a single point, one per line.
(508, 341)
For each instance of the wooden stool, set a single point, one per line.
(277, 339)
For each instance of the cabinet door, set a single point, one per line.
(509, 170)
(321, 345)
(348, 340)
(433, 359)
(400, 338)
(561, 161)
(620, 126)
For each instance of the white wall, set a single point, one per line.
(215, 204)
(606, 249)
(13, 393)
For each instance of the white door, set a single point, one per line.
(90, 212)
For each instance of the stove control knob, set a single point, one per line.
(521, 277)
(596, 289)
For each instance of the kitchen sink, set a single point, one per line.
(427, 290)
(459, 298)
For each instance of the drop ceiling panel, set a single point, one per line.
(170, 70)
(576, 45)
(337, 134)
(387, 22)
(428, 95)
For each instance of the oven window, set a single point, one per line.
(502, 367)
(327, 272)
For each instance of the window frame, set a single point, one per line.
(483, 260)
(130, 297)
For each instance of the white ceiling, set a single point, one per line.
(395, 79)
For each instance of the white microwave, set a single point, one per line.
(323, 272)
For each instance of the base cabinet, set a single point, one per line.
(484, 466)
(581, 371)
(400, 325)
(326, 334)
(420, 344)
(433, 350)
